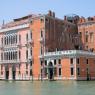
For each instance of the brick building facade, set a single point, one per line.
(38, 47)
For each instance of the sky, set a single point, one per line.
(11, 9)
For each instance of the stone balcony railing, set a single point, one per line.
(9, 61)
(67, 53)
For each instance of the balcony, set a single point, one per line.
(9, 46)
(30, 41)
(29, 59)
(67, 53)
(9, 61)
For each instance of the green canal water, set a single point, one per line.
(47, 88)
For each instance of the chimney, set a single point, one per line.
(53, 14)
(50, 13)
(65, 18)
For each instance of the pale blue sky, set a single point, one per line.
(10, 9)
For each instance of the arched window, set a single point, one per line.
(26, 54)
(16, 55)
(9, 39)
(7, 56)
(31, 34)
(19, 54)
(11, 56)
(13, 39)
(5, 40)
(16, 38)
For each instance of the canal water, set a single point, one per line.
(47, 88)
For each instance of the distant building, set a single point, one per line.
(38, 47)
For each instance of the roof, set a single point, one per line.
(18, 21)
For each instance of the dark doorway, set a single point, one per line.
(7, 75)
(6, 72)
(13, 72)
(76, 47)
(50, 71)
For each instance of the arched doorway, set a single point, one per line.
(6, 72)
(50, 71)
(13, 72)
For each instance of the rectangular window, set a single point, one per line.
(86, 61)
(41, 50)
(86, 38)
(41, 33)
(59, 61)
(78, 71)
(30, 72)
(71, 60)
(77, 60)
(45, 63)
(87, 70)
(91, 37)
(41, 63)
(19, 38)
(72, 71)
(59, 71)
(26, 54)
(31, 51)
(54, 62)
(30, 63)
(27, 37)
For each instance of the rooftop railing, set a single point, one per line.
(68, 53)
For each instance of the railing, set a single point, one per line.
(69, 53)
(9, 61)
(10, 45)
